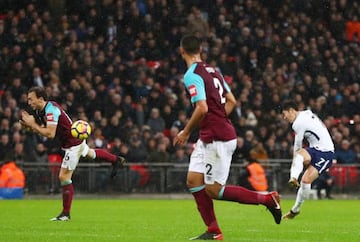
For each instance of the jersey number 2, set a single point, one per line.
(220, 88)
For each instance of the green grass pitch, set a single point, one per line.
(174, 220)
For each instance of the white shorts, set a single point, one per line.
(213, 160)
(73, 154)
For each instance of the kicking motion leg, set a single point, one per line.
(242, 195)
(301, 196)
(303, 193)
(297, 167)
(116, 161)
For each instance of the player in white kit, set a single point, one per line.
(317, 157)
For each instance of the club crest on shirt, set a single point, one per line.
(192, 90)
(50, 117)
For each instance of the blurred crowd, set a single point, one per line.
(115, 63)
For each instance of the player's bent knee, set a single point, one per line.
(192, 183)
(194, 180)
(212, 191)
(62, 178)
(306, 180)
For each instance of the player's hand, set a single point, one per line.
(181, 138)
(24, 126)
(27, 120)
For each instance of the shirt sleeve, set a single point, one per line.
(195, 85)
(227, 87)
(52, 114)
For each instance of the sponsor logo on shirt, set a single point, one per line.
(50, 117)
(192, 90)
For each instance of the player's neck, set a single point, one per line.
(296, 114)
(192, 59)
(43, 104)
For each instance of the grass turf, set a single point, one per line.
(174, 220)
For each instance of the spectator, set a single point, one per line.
(17, 89)
(5, 125)
(180, 156)
(19, 153)
(40, 153)
(180, 121)
(139, 174)
(115, 146)
(156, 122)
(137, 151)
(178, 177)
(12, 180)
(196, 23)
(258, 152)
(159, 154)
(114, 129)
(168, 115)
(36, 79)
(241, 151)
(254, 178)
(344, 155)
(40, 156)
(5, 145)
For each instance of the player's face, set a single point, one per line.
(33, 101)
(289, 115)
(182, 51)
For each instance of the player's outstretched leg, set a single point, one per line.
(119, 163)
(116, 161)
(242, 195)
(301, 196)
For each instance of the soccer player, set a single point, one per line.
(210, 161)
(52, 121)
(316, 158)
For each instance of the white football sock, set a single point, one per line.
(297, 166)
(301, 196)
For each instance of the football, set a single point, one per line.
(80, 129)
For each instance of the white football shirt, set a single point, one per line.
(308, 125)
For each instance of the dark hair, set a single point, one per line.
(191, 44)
(39, 92)
(288, 104)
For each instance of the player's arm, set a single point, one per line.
(199, 113)
(28, 120)
(230, 99)
(230, 103)
(196, 88)
(49, 131)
